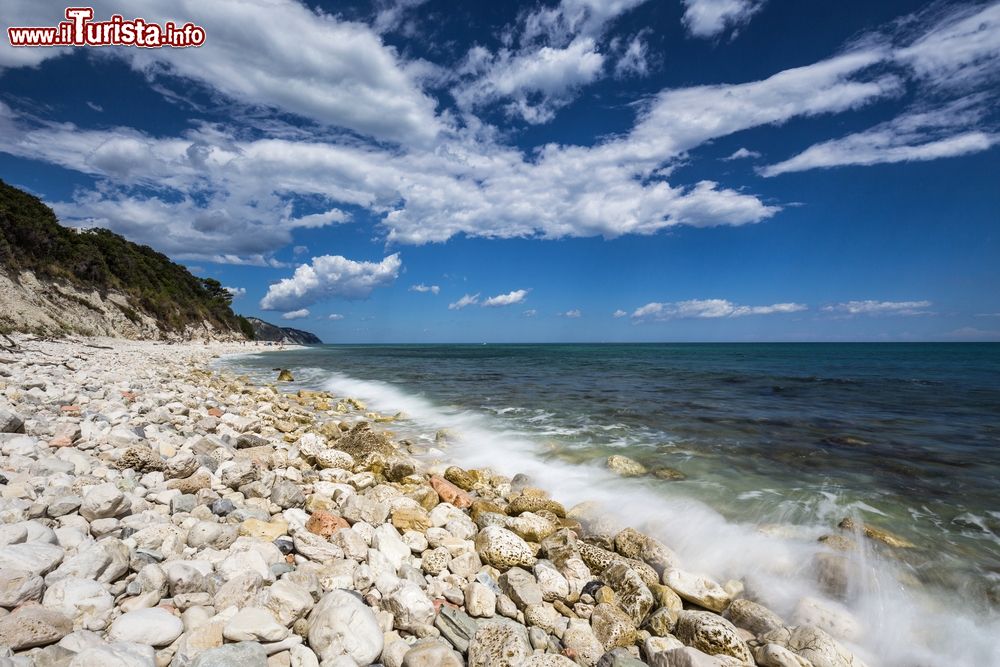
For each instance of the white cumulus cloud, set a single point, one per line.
(331, 276)
(915, 136)
(741, 154)
(550, 54)
(708, 308)
(619, 313)
(573, 314)
(423, 289)
(295, 314)
(508, 299)
(708, 18)
(873, 307)
(467, 300)
(237, 292)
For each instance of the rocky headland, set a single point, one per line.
(156, 512)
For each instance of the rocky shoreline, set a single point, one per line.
(154, 512)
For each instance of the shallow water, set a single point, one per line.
(787, 439)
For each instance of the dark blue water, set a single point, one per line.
(907, 436)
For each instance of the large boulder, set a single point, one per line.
(10, 421)
(751, 616)
(711, 634)
(104, 501)
(499, 644)
(342, 625)
(409, 606)
(613, 627)
(154, 627)
(625, 466)
(698, 589)
(503, 549)
(33, 626)
(814, 645)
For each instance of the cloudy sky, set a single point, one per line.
(580, 170)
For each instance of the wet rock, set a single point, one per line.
(625, 466)
(599, 560)
(811, 643)
(833, 573)
(828, 616)
(698, 589)
(711, 634)
(635, 597)
(838, 542)
(530, 526)
(532, 503)
(669, 474)
(460, 478)
(752, 616)
(775, 655)
(874, 533)
(633, 544)
(285, 375)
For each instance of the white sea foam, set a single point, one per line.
(904, 626)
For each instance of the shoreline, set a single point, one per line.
(320, 501)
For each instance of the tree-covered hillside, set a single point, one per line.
(31, 239)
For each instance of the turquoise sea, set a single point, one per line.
(777, 443)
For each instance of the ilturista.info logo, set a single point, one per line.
(80, 29)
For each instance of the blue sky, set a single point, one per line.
(582, 170)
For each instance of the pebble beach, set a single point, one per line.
(156, 511)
